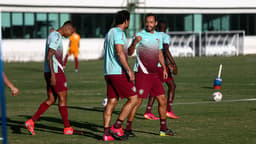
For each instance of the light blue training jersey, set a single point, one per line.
(147, 51)
(54, 41)
(166, 40)
(112, 65)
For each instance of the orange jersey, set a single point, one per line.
(74, 41)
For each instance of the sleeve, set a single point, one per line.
(54, 42)
(119, 38)
(166, 39)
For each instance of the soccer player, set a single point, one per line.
(14, 90)
(74, 43)
(170, 64)
(55, 78)
(119, 76)
(148, 45)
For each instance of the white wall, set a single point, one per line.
(33, 50)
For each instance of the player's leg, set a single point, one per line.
(158, 91)
(164, 131)
(43, 107)
(76, 60)
(107, 118)
(148, 114)
(128, 129)
(171, 93)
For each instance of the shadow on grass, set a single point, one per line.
(207, 87)
(101, 109)
(16, 126)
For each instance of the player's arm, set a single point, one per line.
(122, 58)
(14, 90)
(131, 49)
(171, 62)
(161, 60)
(50, 54)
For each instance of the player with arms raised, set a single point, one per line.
(148, 45)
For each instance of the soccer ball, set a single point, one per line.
(104, 102)
(217, 96)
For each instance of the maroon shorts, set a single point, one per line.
(61, 82)
(148, 83)
(160, 73)
(119, 86)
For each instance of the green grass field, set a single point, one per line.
(201, 121)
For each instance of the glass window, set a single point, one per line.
(53, 20)
(17, 25)
(63, 18)
(41, 25)
(29, 25)
(6, 24)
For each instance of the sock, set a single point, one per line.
(106, 131)
(66, 60)
(64, 114)
(163, 126)
(118, 124)
(42, 108)
(128, 125)
(76, 61)
(169, 106)
(149, 108)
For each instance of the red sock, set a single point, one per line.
(42, 108)
(64, 114)
(76, 61)
(106, 131)
(66, 60)
(169, 106)
(163, 126)
(118, 124)
(149, 108)
(129, 125)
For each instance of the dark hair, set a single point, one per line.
(151, 14)
(121, 17)
(69, 23)
(161, 24)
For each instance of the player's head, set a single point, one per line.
(68, 29)
(162, 26)
(122, 17)
(150, 22)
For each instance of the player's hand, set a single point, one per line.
(53, 80)
(15, 91)
(131, 75)
(137, 39)
(174, 68)
(165, 74)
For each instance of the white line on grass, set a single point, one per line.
(223, 101)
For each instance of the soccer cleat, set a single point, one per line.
(76, 70)
(129, 133)
(171, 115)
(150, 116)
(71, 131)
(118, 133)
(108, 138)
(68, 131)
(30, 126)
(167, 132)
